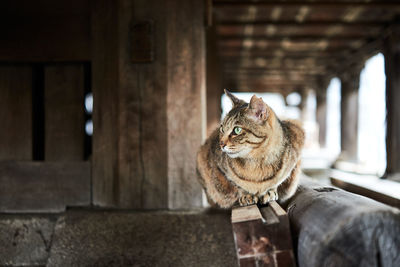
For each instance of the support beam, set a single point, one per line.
(214, 81)
(321, 92)
(148, 116)
(350, 82)
(392, 71)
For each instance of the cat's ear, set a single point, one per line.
(258, 109)
(235, 101)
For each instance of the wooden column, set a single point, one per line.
(392, 71)
(214, 82)
(148, 88)
(64, 112)
(16, 112)
(350, 83)
(322, 110)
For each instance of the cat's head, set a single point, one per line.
(246, 127)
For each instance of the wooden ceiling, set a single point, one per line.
(285, 46)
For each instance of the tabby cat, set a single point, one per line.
(252, 157)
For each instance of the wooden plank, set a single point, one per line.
(64, 112)
(262, 236)
(185, 100)
(382, 190)
(43, 186)
(45, 30)
(337, 228)
(16, 112)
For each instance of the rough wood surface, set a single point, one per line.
(16, 112)
(392, 71)
(147, 116)
(64, 112)
(43, 186)
(262, 236)
(105, 96)
(185, 100)
(332, 227)
(46, 30)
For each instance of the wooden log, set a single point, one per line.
(16, 112)
(262, 236)
(64, 112)
(43, 186)
(392, 71)
(332, 227)
(321, 92)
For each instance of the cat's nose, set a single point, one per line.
(222, 144)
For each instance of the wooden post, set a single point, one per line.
(350, 82)
(392, 71)
(64, 112)
(262, 236)
(16, 112)
(148, 111)
(214, 81)
(322, 110)
(332, 227)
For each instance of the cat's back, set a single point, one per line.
(294, 132)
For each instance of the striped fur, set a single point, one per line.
(265, 156)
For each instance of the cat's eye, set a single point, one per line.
(237, 130)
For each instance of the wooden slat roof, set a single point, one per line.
(277, 45)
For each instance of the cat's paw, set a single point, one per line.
(271, 195)
(248, 199)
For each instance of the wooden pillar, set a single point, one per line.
(322, 110)
(214, 81)
(350, 82)
(64, 112)
(16, 112)
(392, 71)
(149, 93)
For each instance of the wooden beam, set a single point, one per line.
(16, 112)
(262, 236)
(336, 228)
(296, 38)
(43, 186)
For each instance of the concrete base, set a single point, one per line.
(119, 238)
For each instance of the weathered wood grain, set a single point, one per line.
(16, 112)
(332, 227)
(148, 120)
(185, 99)
(43, 186)
(262, 236)
(64, 112)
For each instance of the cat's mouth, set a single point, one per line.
(236, 153)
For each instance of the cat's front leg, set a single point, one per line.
(271, 195)
(248, 199)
